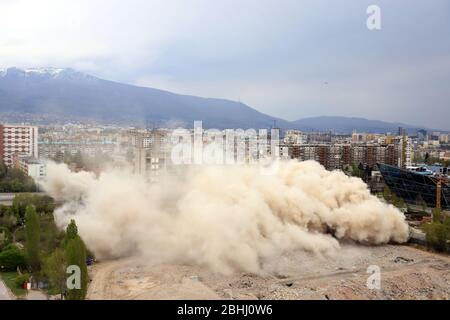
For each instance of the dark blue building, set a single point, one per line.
(415, 188)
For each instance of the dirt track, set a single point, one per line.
(406, 273)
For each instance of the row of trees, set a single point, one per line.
(427, 159)
(392, 198)
(14, 180)
(47, 252)
(361, 171)
(70, 252)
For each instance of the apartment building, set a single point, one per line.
(337, 156)
(17, 140)
(32, 167)
(151, 152)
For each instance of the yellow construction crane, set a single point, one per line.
(438, 193)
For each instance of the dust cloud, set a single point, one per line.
(226, 218)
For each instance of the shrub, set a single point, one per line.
(21, 279)
(12, 257)
(5, 237)
(438, 235)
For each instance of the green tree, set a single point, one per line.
(356, 171)
(8, 220)
(75, 254)
(33, 237)
(54, 267)
(14, 180)
(438, 236)
(71, 232)
(43, 204)
(5, 237)
(49, 234)
(3, 170)
(12, 258)
(437, 215)
(21, 279)
(402, 203)
(387, 195)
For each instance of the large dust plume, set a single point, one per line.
(227, 218)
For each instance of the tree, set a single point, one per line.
(437, 215)
(5, 237)
(438, 231)
(401, 203)
(357, 171)
(49, 234)
(438, 236)
(54, 267)
(75, 254)
(8, 220)
(43, 204)
(71, 232)
(33, 237)
(3, 170)
(14, 180)
(387, 195)
(12, 258)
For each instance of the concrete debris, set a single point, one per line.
(406, 273)
(402, 259)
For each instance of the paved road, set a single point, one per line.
(4, 293)
(36, 295)
(7, 198)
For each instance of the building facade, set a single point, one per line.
(338, 156)
(32, 167)
(151, 152)
(18, 140)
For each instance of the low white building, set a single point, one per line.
(32, 167)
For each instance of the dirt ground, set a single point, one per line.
(406, 273)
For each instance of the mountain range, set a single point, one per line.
(70, 94)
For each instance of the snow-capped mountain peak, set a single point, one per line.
(56, 73)
(49, 71)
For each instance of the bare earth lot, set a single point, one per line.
(406, 273)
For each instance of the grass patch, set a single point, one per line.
(9, 278)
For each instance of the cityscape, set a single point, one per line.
(114, 187)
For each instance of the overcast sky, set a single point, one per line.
(291, 59)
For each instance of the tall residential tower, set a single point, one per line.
(17, 140)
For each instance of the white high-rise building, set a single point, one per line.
(18, 141)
